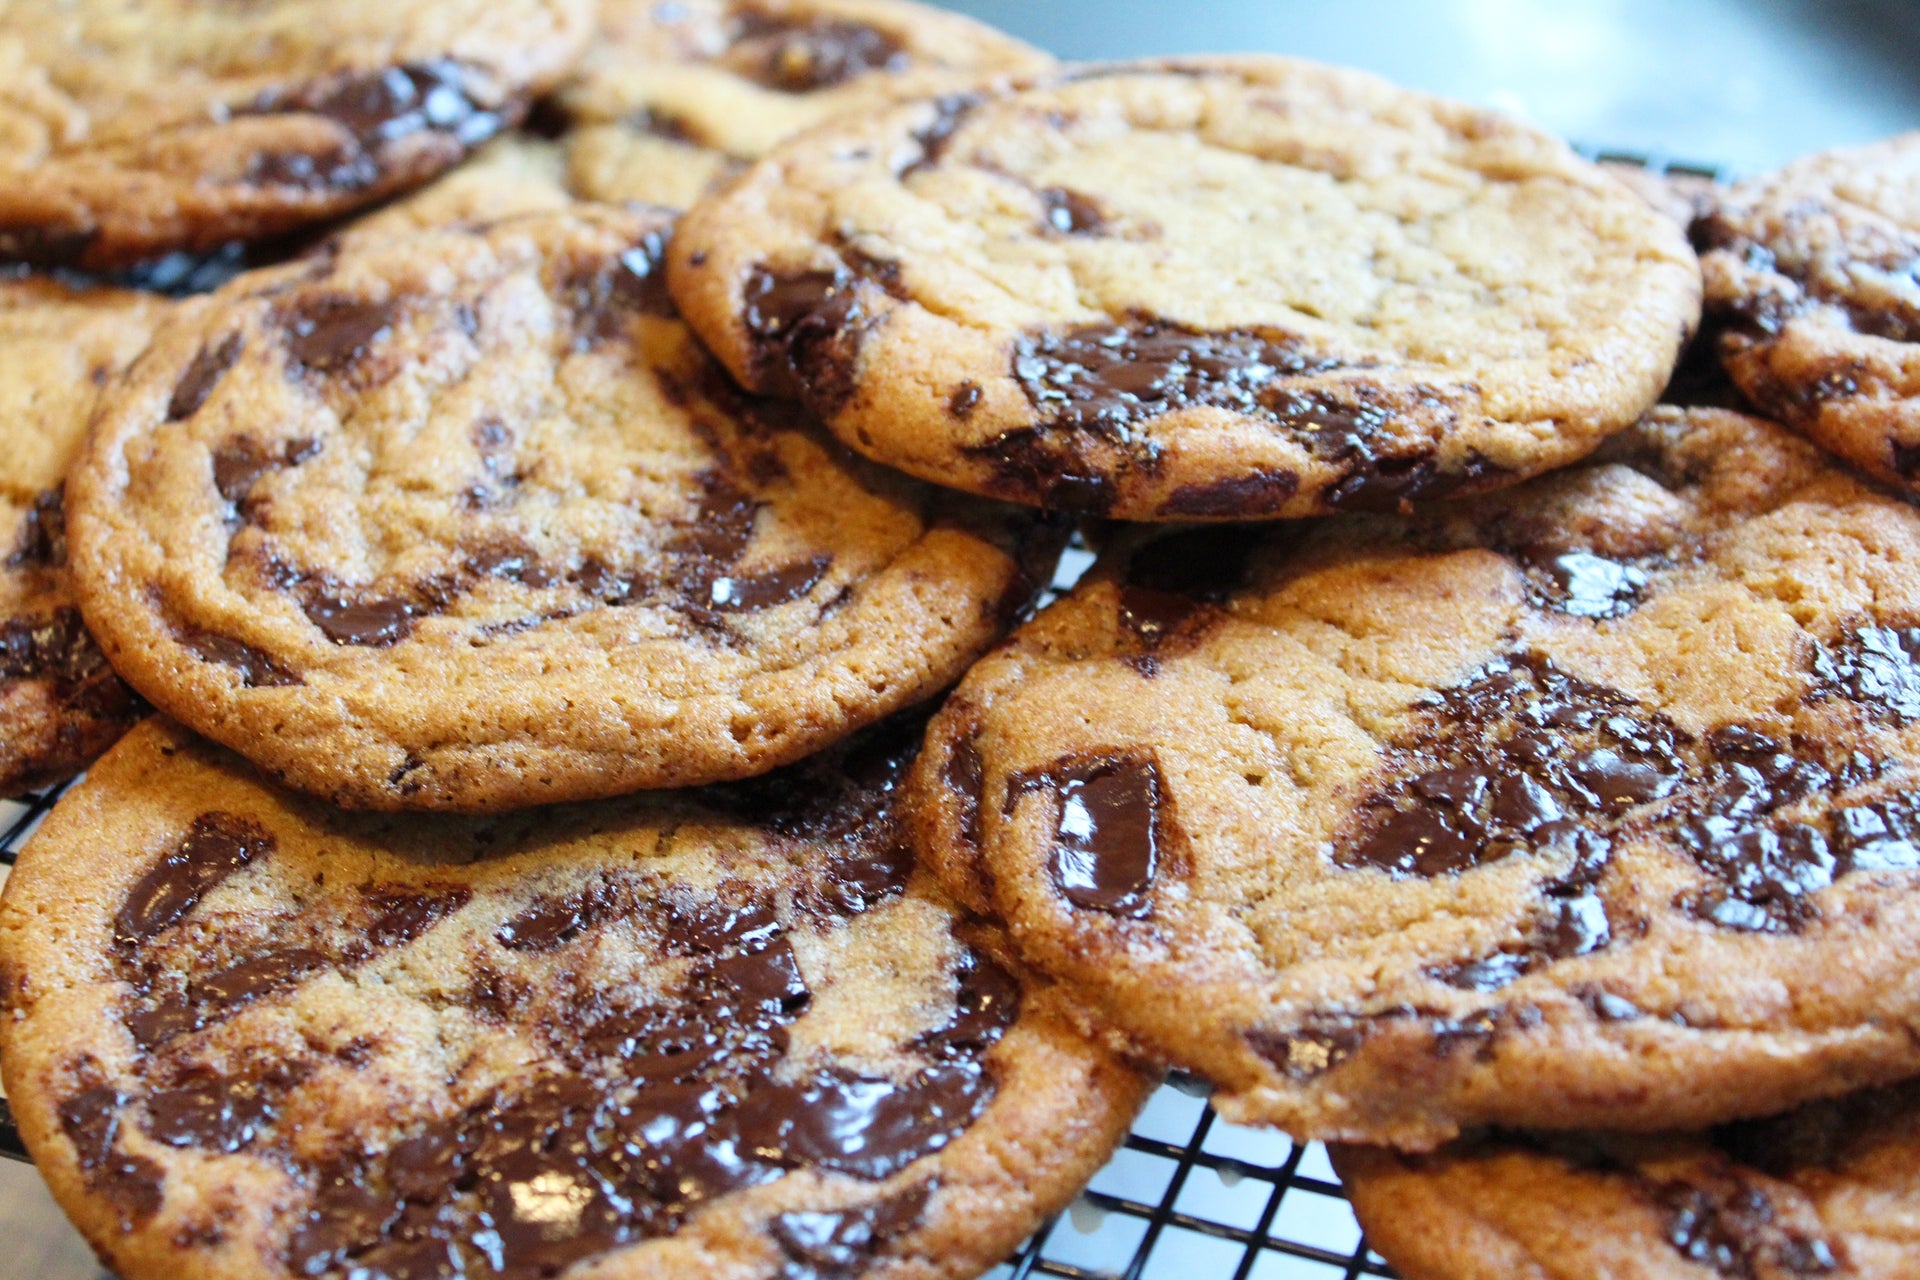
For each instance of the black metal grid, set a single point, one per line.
(1171, 1205)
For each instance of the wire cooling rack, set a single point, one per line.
(1189, 1196)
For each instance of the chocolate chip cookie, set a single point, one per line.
(1828, 1190)
(1811, 272)
(1195, 289)
(670, 99)
(688, 1035)
(1589, 803)
(60, 704)
(468, 520)
(131, 128)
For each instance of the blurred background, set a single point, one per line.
(1743, 84)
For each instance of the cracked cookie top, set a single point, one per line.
(468, 520)
(1199, 289)
(1590, 803)
(1813, 276)
(132, 128)
(712, 1033)
(1827, 1190)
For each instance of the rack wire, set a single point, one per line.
(1188, 1196)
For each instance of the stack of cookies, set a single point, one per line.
(616, 805)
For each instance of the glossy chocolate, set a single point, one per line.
(373, 624)
(808, 326)
(1103, 378)
(329, 334)
(1730, 1226)
(377, 109)
(258, 669)
(1517, 752)
(216, 847)
(239, 463)
(132, 1184)
(788, 583)
(1106, 843)
(1873, 666)
(1590, 586)
(674, 1104)
(843, 1245)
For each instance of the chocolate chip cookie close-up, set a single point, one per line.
(1585, 805)
(1194, 289)
(1811, 272)
(671, 99)
(729, 1033)
(1832, 1189)
(60, 704)
(467, 520)
(133, 128)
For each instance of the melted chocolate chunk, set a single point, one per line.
(399, 914)
(1517, 756)
(965, 776)
(239, 463)
(43, 533)
(216, 846)
(1237, 497)
(218, 1115)
(220, 996)
(1590, 586)
(1732, 1227)
(330, 334)
(372, 624)
(202, 376)
(1103, 379)
(606, 295)
(808, 327)
(377, 109)
(765, 590)
(257, 668)
(134, 1185)
(1057, 472)
(552, 922)
(58, 648)
(1107, 837)
(1071, 214)
(1874, 667)
(870, 1128)
(674, 1104)
(1572, 920)
(804, 55)
(842, 1245)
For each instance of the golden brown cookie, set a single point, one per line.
(1200, 289)
(468, 520)
(690, 1035)
(131, 128)
(672, 98)
(60, 704)
(1811, 273)
(1591, 803)
(1832, 1189)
